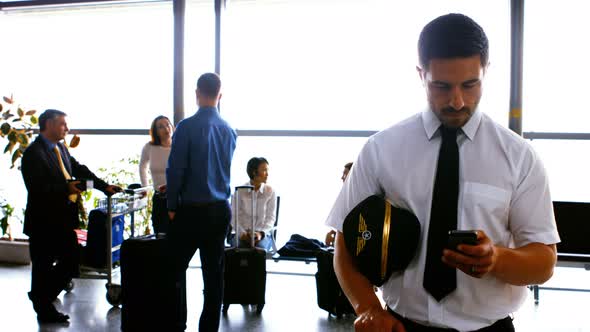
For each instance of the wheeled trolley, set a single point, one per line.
(112, 210)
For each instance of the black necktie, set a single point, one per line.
(440, 279)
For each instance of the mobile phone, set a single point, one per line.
(457, 237)
(83, 184)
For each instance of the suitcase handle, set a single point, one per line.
(245, 187)
(237, 238)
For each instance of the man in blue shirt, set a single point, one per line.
(197, 177)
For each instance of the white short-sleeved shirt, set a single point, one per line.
(265, 205)
(503, 191)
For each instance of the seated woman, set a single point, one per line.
(264, 207)
(154, 157)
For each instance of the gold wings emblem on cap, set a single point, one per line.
(360, 240)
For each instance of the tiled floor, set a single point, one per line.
(291, 304)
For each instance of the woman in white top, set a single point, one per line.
(264, 207)
(154, 156)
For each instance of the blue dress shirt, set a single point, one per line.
(200, 159)
(50, 145)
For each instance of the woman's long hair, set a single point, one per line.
(155, 139)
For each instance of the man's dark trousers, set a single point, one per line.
(55, 259)
(160, 220)
(203, 227)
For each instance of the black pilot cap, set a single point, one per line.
(377, 256)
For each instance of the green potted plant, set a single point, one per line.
(16, 128)
(6, 211)
(15, 251)
(123, 173)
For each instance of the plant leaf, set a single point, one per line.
(12, 136)
(8, 100)
(6, 115)
(23, 139)
(17, 154)
(20, 112)
(31, 112)
(1, 107)
(5, 128)
(75, 141)
(34, 119)
(9, 147)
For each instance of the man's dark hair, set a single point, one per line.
(49, 114)
(452, 36)
(209, 85)
(253, 165)
(348, 166)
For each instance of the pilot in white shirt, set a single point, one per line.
(503, 194)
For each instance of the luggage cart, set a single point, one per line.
(125, 203)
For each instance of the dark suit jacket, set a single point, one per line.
(49, 212)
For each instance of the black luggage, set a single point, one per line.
(330, 296)
(148, 290)
(245, 269)
(300, 246)
(95, 252)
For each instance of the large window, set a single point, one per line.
(199, 48)
(286, 65)
(567, 166)
(554, 66)
(333, 64)
(554, 77)
(107, 66)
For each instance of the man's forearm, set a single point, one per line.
(527, 265)
(82, 172)
(356, 287)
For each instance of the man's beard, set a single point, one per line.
(448, 122)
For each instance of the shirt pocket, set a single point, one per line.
(486, 207)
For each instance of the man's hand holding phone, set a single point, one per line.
(74, 187)
(458, 237)
(471, 252)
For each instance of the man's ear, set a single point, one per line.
(485, 69)
(422, 74)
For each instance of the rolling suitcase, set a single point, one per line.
(245, 268)
(149, 299)
(330, 296)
